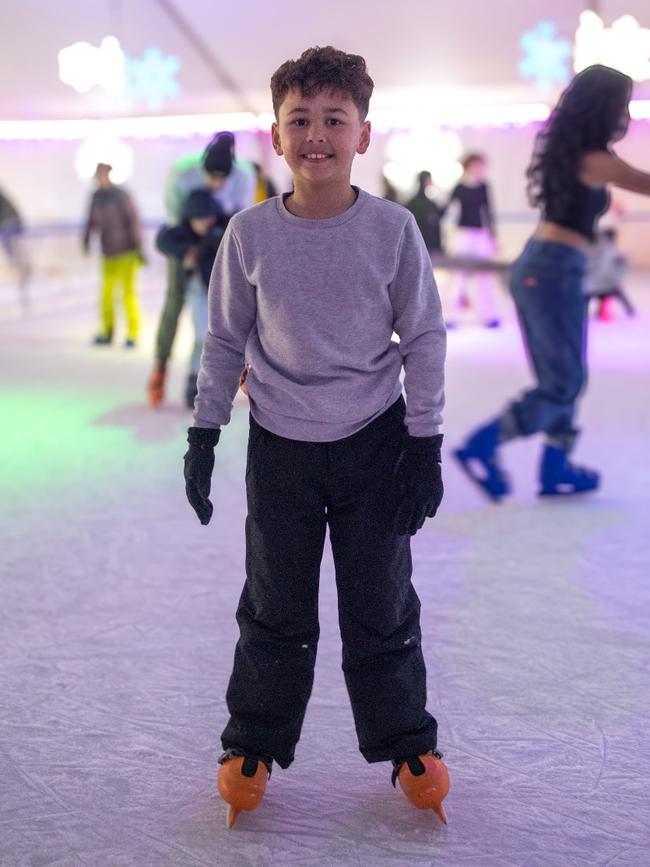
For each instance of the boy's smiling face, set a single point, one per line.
(319, 136)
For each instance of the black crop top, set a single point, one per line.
(581, 214)
(475, 210)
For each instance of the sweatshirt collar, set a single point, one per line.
(329, 222)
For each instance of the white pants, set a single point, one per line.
(475, 244)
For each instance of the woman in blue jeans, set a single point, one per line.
(568, 178)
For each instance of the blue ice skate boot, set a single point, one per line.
(478, 458)
(558, 476)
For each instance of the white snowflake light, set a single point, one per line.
(546, 58)
(624, 46)
(83, 66)
(152, 79)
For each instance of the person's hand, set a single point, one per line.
(419, 483)
(191, 258)
(243, 376)
(199, 463)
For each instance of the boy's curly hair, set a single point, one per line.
(324, 69)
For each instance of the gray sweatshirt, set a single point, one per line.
(311, 306)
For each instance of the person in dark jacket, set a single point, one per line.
(112, 214)
(194, 243)
(427, 214)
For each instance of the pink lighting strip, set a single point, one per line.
(182, 126)
(152, 127)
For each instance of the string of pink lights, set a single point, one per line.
(183, 126)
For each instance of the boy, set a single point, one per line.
(194, 244)
(305, 294)
(113, 215)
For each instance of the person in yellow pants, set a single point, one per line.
(113, 215)
(120, 272)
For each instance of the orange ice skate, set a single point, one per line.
(242, 781)
(424, 780)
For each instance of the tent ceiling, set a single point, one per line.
(464, 46)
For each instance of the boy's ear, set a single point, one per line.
(364, 139)
(275, 138)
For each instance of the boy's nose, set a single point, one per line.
(316, 133)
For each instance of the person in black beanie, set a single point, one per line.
(194, 244)
(232, 184)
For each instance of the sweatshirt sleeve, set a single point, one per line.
(418, 321)
(232, 310)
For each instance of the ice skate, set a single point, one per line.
(558, 476)
(242, 781)
(479, 460)
(424, 779)
(156, 385)
(606, 310)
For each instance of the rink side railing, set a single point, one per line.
(56, 255)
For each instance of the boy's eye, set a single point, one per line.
(302, 121)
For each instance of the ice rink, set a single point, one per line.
(117, 628)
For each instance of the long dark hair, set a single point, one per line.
(588, 117)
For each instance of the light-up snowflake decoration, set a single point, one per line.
(546, 58)
(84, 66)
(624, 46)
(152, 79)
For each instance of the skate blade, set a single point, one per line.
(566, 491)
(440, 813)
(231, 818)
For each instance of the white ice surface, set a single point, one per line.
(117, 631)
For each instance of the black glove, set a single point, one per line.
(419, 483)
(199, 463)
